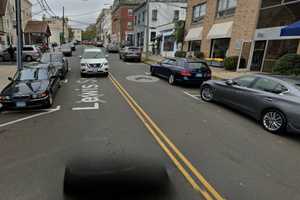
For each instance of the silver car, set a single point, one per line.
(31, 52)
(66, 49)
(273, 100)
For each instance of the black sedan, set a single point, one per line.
(272, 100)
(33, 86)
(182, 70)
(58, 60)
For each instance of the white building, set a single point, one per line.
(56, 28)
(163, 15)
(77, 34)
(103, 26)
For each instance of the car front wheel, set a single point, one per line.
(274, 121)
(207, 93)
(50, 100)
(171, 79)
(28, 58)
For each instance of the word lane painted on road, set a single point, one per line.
(89, 96)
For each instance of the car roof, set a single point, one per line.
(92, 50)
(36, 65)
(188, 60)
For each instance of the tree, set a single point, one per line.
(71, 34)
(179, 31)
(89, 33)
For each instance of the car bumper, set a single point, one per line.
(87, 72)
(132, 56)
(29, 104)
(189, 80)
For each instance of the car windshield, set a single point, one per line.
(47, 58)
(197, 65)
(31, 74)
(93, 55)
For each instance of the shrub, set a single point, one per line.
(289, 64)
(199, 55)
(180, 54)
(231, 63)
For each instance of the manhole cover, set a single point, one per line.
(142, 78)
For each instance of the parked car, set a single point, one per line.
(31, 53)
(33, 86)
(112, 48)
(272, 100)
(58, 60)
(182, 70)
(99, 44)
(66, 49)
(4, 55)
(93, 61)
(131, 53)
(73, 47)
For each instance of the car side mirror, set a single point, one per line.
(230, 82)
(10, 78)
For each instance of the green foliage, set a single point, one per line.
(71, 34)
(199, 55)
(180, 54)
(89, 33)
(231, 63)
(288, 64)
(179, 31)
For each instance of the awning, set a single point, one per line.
(222, 30)
(194, 34)
(291, 30)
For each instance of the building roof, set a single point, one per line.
(3, 4)
(37, 27)
(118, 3)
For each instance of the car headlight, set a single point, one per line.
(5, 98)
(105, 64)
(39, 95)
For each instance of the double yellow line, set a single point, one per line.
(198, 182)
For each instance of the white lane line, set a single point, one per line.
(192, 95)
(95, 107)
(48, 111)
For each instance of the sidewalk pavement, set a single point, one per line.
(218, 73)
(5, 72)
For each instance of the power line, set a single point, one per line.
(90, 12)
(49, 8)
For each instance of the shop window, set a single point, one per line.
(269, 3)
(169, 43)
(226, 8)
(152, 37)
(143, 16)
(176, 15)
(199, 11)
(129, 25)
(195, 46)
(219, 47)
(130, 12)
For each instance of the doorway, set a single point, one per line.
(258, 55)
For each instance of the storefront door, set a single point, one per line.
(258, 55)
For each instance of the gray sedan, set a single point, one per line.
(273, 100)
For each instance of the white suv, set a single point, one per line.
(93, 61)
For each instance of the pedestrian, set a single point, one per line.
(11, 52)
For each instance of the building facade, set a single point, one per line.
(103, 26)
(162, 18)
(221, 28)
(56, 28)
(268, 44)
(122, 21)
(77, 34)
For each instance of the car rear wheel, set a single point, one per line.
(28, 58)
(50, 100)
(274, 121)
(207, 93)
(171, 79)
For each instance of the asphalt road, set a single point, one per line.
(232, 153)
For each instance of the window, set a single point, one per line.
(154, 15)
(199, 11)
(268, 3)
(169, 43)
(176, 15)
(195, 46)
(198, 65)
(220, 47)
(130, 12)
(152, 37)
(143, 16)
(135, 20)
(139, 18)
(245, 81)
(129, 25)
(27, 48)
(226, 8)
(269, 85)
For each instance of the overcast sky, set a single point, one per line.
(82, 12)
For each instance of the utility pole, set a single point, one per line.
(19, 33)
(63, 25)
(147, 29)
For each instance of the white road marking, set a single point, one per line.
(192, 95)
(66, 81)
(147, 73)
(48, 111)
(95, 107)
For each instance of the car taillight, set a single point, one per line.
(185, 73)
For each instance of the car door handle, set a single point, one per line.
(268, 99)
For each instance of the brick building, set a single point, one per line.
(221, 28)
(122, 20)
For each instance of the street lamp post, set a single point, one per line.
(19, 33)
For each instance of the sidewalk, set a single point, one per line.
(218, 73)
(5, 72)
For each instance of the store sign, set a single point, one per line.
(271, 34)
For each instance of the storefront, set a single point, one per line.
(194, 37)
(168, 44)
(269, 46)
(220, 35)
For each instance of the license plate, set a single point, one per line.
(20, 104)
(198, 75)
